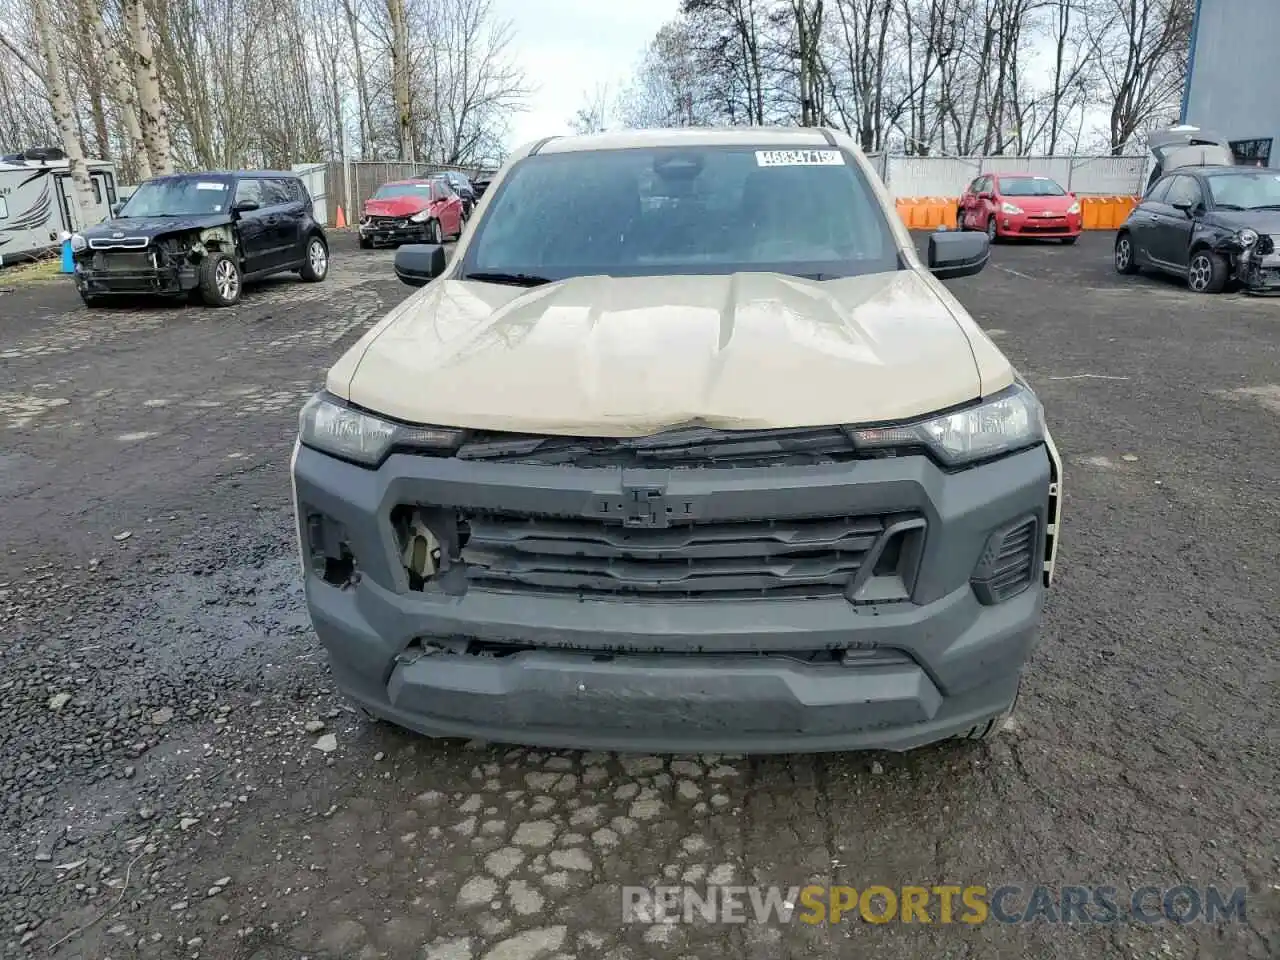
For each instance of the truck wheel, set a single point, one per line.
(990, 729)
(316, 267)
(220, 280)
(366, 244)
(1207, 273)
(90, 300)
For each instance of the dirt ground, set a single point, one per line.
(163, 702)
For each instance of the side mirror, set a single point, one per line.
(244, 206)
(417, 264)
(958, 254)
(116, 208)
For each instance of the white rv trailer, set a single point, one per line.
(38, 204)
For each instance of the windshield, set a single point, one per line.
(1030, 187)
(707, 210)
(1246, 191)
(392, 190)
(179, 197)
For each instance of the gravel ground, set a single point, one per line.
(179, 778)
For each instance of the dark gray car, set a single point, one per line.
(1212, 225)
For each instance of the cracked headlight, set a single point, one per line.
(1074, 208)
(78, 242)
(1247, 237)
(1009, 421)
(422, 216)
(1010, 208)
(331, 426)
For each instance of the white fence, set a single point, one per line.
(948, 176)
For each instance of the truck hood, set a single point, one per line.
(605, 356)
(153, 226)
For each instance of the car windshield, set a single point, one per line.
(1246, 191)
(390, 191)
(179, 197)
(699, 210)
(1030, 187)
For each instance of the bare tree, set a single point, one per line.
(594, 114)
(362, 83)
(1143, 46)
(102, 45)
(400, 78)
(151, 112)
(51, 55)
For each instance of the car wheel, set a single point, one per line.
(366, 244)
(1207, 273)
(1125, 260)
(993, 232)
(960, 225)
(316, 267)
(434, 235)
(220, 280)
(1068, 241)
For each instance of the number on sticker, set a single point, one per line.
(799, 158)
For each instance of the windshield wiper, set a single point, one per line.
(515, 279)
(1267, 206)
(1228, 206)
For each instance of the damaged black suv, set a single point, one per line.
(202, 233)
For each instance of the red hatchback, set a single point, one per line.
(1019, 205)
(411, 211)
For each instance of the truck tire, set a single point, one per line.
(990, 729)
(90, 300)
(220, 280)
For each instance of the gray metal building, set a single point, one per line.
(1233, 77)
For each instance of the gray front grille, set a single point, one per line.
(806, 558)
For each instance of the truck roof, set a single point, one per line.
(798, 137)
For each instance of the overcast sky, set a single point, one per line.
(567, 47)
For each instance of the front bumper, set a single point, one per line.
(678, 674)
(386, 234)
(1258, 273)
(1034, 225)
(165, 280)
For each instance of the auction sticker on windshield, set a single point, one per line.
(799, 158)
(211, 186)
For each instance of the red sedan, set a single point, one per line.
(411, 211)
(1019, 205)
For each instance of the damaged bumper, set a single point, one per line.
(885, 603)
(389, 232)
(1258, 272)
(102, 274)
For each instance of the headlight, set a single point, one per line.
(1009, 421)
(1074, 208)
(331, 426)
(1247, 237)
(422, 216)
(78, 242)
(1008, 207)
